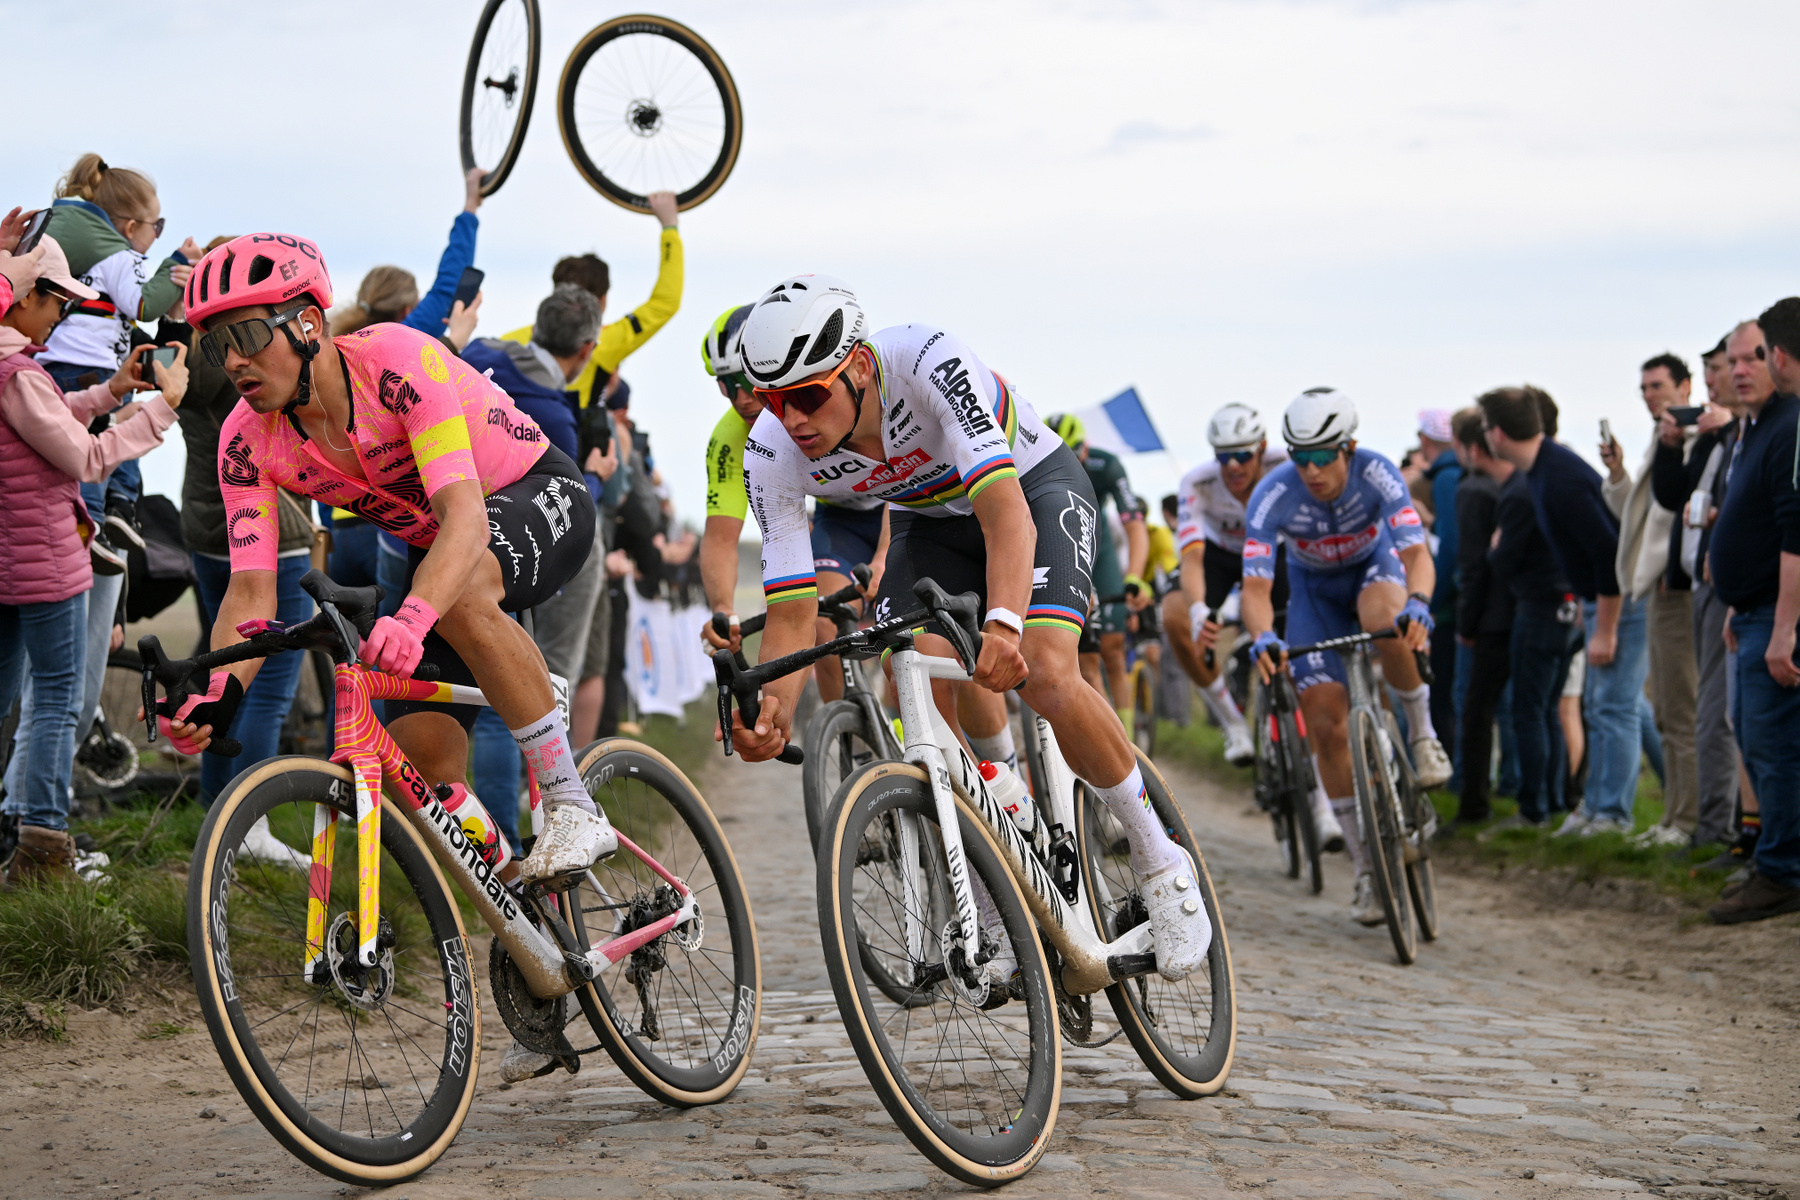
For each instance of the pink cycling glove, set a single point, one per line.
(216, 708)
(397, 643)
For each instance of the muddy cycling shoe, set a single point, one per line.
(1178, 921)
(522, 1063)
(1331, 833)
(1365, 909)
(1430, 763)
(1239, 750)
(573, 840)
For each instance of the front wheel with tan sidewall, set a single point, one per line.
(679, 1014)
(363, 1074)
(970, 1068)
(1184, 1030)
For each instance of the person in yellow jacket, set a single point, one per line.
(619, 339)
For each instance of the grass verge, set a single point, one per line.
(1201, 747)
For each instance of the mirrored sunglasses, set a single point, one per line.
(246, 337)
(807, 398)
(1234, 456)
(1322, 457)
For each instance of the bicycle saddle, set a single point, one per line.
(357, 604)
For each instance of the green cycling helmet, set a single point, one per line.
(721, 348)
(1069, 428)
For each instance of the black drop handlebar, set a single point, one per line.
(955, 617)
(345, 617)
(834, 605)
(1420, 658)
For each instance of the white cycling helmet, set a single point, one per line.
(1319, 417)
(1235, 427)
(801, 326)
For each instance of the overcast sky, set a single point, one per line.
(1413, 201)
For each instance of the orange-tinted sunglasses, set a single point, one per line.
(807, 397)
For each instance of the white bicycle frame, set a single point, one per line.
(1090, 963)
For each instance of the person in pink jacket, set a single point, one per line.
(45, 574)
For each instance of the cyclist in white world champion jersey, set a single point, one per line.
(982, 498)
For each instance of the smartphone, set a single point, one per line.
(467, 286)
(164, 355)
(1606, 430)
(34, 231)
(1686, 414)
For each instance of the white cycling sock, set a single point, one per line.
(1319, 796)
(1344, 807)
(1218, 699)
(1151, 849)
(545, 744)
(1417, 704)
(997, 749)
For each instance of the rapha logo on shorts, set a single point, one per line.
(1078, 523)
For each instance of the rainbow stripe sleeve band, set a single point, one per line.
(793, 587)
(983, 473)
(1054, 616)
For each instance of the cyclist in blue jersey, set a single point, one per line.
(1357, 559)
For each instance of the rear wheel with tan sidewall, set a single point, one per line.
(972, 1075)
(365, 1076)
(678, 1015)
(1186, 1030)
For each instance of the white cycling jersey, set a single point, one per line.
(950, 427)
(1208, 511)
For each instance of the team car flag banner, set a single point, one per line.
(1122, 425)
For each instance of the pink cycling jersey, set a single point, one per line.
(419, 418)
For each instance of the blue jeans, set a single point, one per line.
(1541, 649)
(1610, 702)
(353, 550)
(51, 636)
(1766, 718)
(102, 601)
(266, 703)
(495, 776)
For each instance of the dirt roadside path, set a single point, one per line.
(1542, 1047)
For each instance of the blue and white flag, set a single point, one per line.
(1121, 425)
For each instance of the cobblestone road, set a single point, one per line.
(1536, 1050)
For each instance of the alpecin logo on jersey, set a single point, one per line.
(1385, 481)
(235, 466)
(1406, 516)
(896, 471)
(1256, 549)
(396, 395)
(952, 379)
(1078, 522)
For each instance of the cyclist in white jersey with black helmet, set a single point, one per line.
(1357, 560)
(982, 498)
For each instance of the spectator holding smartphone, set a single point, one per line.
(45, 577)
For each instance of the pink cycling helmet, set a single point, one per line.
(258, 268)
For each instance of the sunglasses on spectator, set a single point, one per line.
(68, 302)
(1322, 457)
(159, 224)
(246, 337)
(1234, 456)
(807, 398)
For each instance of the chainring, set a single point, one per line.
(538, 1024)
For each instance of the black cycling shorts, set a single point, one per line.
(1225, 570)
(951, 551)
(540, 530)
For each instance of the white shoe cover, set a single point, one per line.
(1331, 833)
(573, 840)
(1365, 909)
(1239, 750)
(1178, 921)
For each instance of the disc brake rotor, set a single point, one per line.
(366, 988)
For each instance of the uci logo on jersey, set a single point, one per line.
(827, 474)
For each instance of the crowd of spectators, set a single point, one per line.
(84, 305)
(1603, 624)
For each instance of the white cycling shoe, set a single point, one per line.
(1178, 921)
(573, 840)
(1239, 750)
(1365, 908)
(522, 1063)
(261, 844)
(1331, 832)
(1430, 763)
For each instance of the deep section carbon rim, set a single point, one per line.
(645, 105)
(499, 87)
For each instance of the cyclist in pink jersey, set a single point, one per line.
(386, 423)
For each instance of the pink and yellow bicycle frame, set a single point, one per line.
(372, 757)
